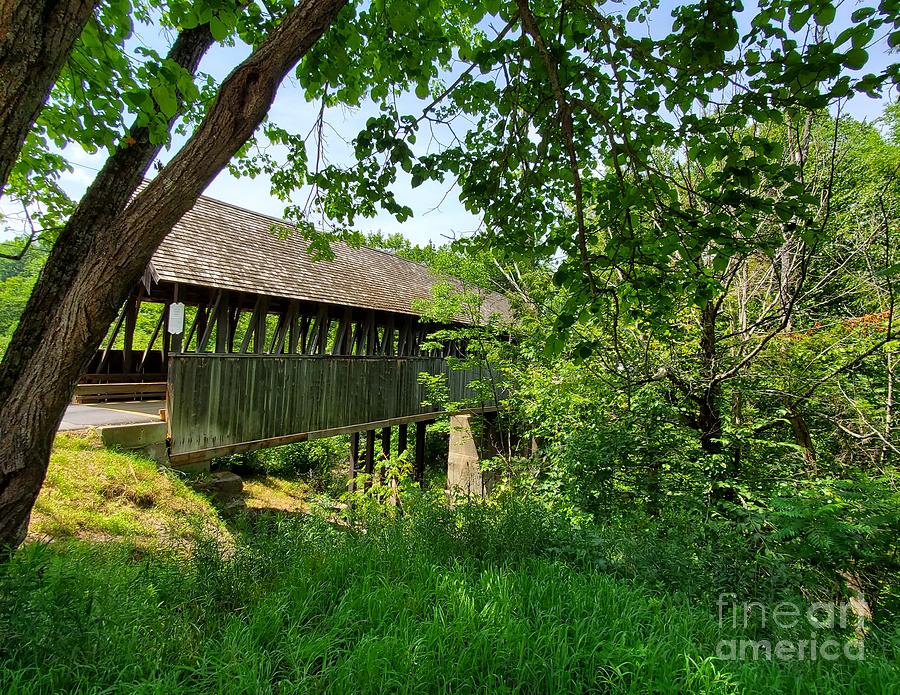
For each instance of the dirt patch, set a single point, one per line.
(265, 492)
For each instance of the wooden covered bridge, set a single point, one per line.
(253, 344)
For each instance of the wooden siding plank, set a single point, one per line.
(232, 402)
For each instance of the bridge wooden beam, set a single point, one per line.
(286, 320)
(149, 348)
(132, 306)
(402, 435)
(250, 334)
(387, 341)
(223, 323)
(419, 459)
(354, 459)
(112, 338)
(302, 335)
(343, 338)
(180, 459)
(210, 322)
(260, 314)
(370, 455)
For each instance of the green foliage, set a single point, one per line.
(314, 461)
(16, 280)
(94, 493)
(702, 251)
(847, 528)
(112, 81)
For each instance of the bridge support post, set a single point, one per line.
(419, 460)
(402, 435)
(370, 455)
(131, 316)
(471, 441)
(354, 460)
(385, 451)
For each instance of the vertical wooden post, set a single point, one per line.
(354, 460)
(385, 451)
(322, 335)
(166, 337)
(131, 313)
(402, 435)
(387, 342)
(294, 333)
(419, 462)
(370, 455)
(259, 331)
(222, 327)
(234, 316)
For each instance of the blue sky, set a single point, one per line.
(438, 214)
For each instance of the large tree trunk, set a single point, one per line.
(709, 419)
(709, 414)
(101, 204)
(35, 393)
(36, 37)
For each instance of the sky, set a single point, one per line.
(438, 214)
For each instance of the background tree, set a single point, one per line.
(660, 170)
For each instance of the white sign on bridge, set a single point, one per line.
(176, 318)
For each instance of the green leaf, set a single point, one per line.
(856, 58)
(217, 28)
(166, 99)
(825, 15)
(798, 20)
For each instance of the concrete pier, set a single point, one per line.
(472, 440)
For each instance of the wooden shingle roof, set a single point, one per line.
(222, 246)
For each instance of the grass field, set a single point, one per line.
(504, 598)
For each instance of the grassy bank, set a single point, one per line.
(143, 588)
(92, 493)
(436, 601)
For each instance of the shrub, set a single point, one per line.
(316, 462)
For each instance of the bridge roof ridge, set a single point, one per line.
(221, 245)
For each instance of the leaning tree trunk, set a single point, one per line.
(35, 394)
(36, 37)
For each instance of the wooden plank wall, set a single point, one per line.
(220, 404)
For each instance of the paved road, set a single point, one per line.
(79, 417)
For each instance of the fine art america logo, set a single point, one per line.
(820, 619)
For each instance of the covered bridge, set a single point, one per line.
(276, 347)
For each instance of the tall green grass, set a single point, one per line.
(477, 599)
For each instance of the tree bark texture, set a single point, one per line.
(36, 37)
